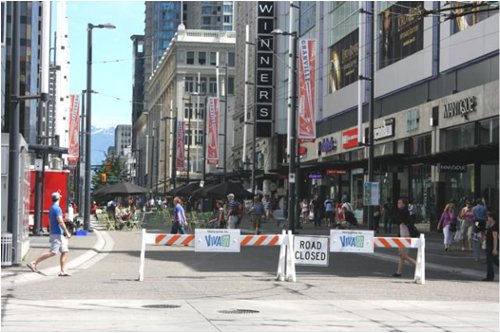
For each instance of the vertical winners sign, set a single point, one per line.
(307, 88)
(264, 93)
(213, 131)
(180, 146)
(74, 131)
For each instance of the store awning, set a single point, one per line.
(474, 154)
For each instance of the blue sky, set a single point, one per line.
(112, 79)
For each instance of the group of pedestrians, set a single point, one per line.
(475, 228)
(339, 215)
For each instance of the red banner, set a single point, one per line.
(350, 138)
(307, 89)
(213, 131)
(73, 130)
(180, 146)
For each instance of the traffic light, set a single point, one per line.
(103, 178)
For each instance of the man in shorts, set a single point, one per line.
(59, 236)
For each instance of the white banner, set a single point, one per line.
(351, 241)
(217, 240)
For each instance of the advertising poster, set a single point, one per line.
(350, 138)
(401, 31)
(213, 131)
(180, 146)
(74, 129)
(360, 241)
(217, 240)
(344, 62)
(371, 195)
(307, 89)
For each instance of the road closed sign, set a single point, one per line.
(351, 241)
(310, 250)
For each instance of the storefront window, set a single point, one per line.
(459, 185)
(466, 14)
(457, 137)
(357, 180)
(421, 191)
(384, 149)
(489, 185)
(488, 131)
(421, 145)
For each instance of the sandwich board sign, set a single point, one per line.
(310, 250)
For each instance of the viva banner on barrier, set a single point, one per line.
(179, 164)
(74, 129)
(213, 131)
(307, 88)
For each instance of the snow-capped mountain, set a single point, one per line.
(102, 138)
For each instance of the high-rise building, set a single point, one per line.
(138, 79)
(123, 138)
(209, 15)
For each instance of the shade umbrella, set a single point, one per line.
(121, 189)
(223, 189)
(185, 190)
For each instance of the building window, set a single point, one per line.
(206, 20)
(199, 111)
(213, 59)
(187, 137)
(202, 58)
(212, 86)
(488, 131)
(231, 59)
(421, 145)
(343, 19)
(401, 32)
(188, 111)
(228, 9)
(199, 137)
(189, 84)
(308, 15)
(230, 86)
(228, 19)
(466, 14)
(190, 58)
(203, 85)
(457, 137)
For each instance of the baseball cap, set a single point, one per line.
(56, 196)
(230, 195)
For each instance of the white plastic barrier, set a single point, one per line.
(286, 262)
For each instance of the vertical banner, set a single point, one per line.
(213, 131)
(307, 88)
(180, 146)
(74, 128)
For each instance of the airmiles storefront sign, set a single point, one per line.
(351, 241)
(217, 240)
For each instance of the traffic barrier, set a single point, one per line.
(286, 263)
(407, 243)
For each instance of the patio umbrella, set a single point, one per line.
(121, 189)
(223, 189)
(185, 190)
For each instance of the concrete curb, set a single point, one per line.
(104, 244)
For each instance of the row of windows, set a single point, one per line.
(191, 82)
(198, 137)
(207, 58)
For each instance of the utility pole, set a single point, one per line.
(174, 151)
(225, 120)
(371, 110)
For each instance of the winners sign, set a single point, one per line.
(264, 94)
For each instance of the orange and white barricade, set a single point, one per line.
(407, 243)
(286, 264)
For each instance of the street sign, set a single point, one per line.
(291, 178)
(217, 240)
(310, 250)
(38, 164)
(351, 241)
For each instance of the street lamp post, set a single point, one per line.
(292, 140)
(90, 26)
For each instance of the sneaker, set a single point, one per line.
(396, 275)
(487, 279)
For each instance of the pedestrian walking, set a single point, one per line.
(388, 213)
(218, 219)
(480, 211)
(448, 218)
(316, 208)
(232, 214)
(59, 236)
(491, 246)
(305, 211)
(467, 216)
(256, 212)
(266, 201)
(402, 218)
(329, 210)
(180, 222)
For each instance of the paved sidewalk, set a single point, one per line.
(82, 250)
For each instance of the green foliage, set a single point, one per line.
(115, 169)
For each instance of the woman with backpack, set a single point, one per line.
(448, 217)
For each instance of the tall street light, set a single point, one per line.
(292, 140)
(88, 129)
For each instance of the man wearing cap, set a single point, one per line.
(232, 212)
(59, 236)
